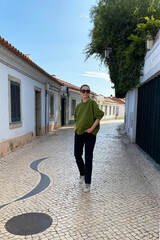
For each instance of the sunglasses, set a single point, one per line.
(83, 91)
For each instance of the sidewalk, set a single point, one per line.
(148, 168)
(42, 177)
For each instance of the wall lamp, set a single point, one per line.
(108, 51)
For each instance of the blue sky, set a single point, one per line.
(55, 33)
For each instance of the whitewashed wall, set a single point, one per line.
(75, 95)
(121, 110)
(151, 69)
(27, 104)
(152, 63)
(56, 120)
(131, 114)
(108, 115)
(4, 108)
(30, 78)
(57, 107)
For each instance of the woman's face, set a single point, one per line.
(84, 92)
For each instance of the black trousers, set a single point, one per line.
(88, 140)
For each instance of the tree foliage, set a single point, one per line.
(124, 25)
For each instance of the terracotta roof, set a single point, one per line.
(68, 84)
(25, 58)
(19, 54)
(71, 86)
(109, 100)
(118, 100)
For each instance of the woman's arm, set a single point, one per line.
(90, 130)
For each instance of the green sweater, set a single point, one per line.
(85, 115)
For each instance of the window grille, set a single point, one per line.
(51, 107)
(73, 106)
(15, 102)
(105, 110)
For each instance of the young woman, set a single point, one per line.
(87, 117)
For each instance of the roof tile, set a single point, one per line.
(15, 51)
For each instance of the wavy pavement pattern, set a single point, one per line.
(43, 184)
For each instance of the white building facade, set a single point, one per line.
(113, 108)
(143, 105)
(24, 101)
(34, 103)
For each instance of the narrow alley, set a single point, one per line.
(42, 177)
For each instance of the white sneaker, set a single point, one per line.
(87, 187)
(81, 179)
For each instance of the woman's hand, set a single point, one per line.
(75, 127)
(89, 130)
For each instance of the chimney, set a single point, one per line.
(28, 56)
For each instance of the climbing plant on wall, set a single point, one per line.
(125, 25)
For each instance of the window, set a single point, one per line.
(110, 109)
(14, 89)
(117, 111)
(73, 106)
(105, 110)
(15, 108)
(101, 107)
(113, 110)
(51, 117)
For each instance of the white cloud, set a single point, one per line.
(82, 15)
(97, 75)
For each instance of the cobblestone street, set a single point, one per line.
(42, 177)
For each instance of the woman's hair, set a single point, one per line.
(84, 85)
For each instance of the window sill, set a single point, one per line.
(15, 125)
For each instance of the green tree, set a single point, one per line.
(125, 26)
